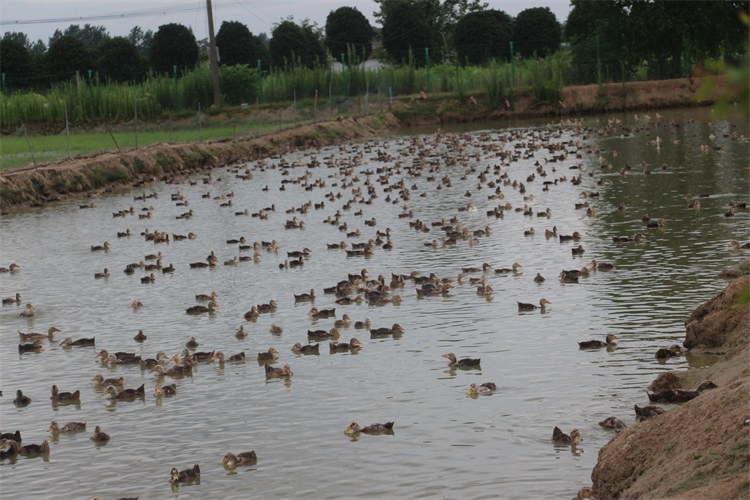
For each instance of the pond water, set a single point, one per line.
(445, 444)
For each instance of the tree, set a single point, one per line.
(90, 36)
(481, 36)
(118, 60)
(238, 83)
(173, 44)
(292, 43)
(141, 40)
(347, 27)
(66, 56)
(405, 30)
(15, 62)
(536, 31)
(236, 44)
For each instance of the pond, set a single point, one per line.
(595, 176)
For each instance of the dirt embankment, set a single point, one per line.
(700, 449)
(95, 173)
(103, 172)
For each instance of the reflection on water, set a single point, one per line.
(445, 443)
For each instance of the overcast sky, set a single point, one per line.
(39, 19)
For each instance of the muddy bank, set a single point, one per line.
(700, 449)
(100, 173)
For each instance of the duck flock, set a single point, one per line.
(206, 274)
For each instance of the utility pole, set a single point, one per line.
(212, 54)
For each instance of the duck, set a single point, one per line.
(241, 333)
(276, 329)
(12, 452)
(362, 325)
(195, 310)
(99, 436)
(103, 274)
(323, 313)
(21, 399)
(571, 237)
(136, 304)
(559, 436)
(185, 476)
(165, 390)
(125, 394)
(613, 423)
(513, 269)
(354, 428)
(175, 371)
(664, 353)
(734, 246)
(265, 308)
(609, 341)
(252, 314)
(233, 358)
(353, 344)
(28, 312)
(103, 382)
(524, 306)
(453, 362)
(100, 248)
(579, 250)
(343, 322)
(601, 266)
(306, 349)
(13, 436)
(231, 460)
(270, 355)
(119, 357)
(12, 300)
(10, 269)
(192, 343)
(148, 279)
(35, 346)
(394, 330)
(333, 333)
(305, 297)
(679, 395)
(65, 397)
(636, 238)
(140, 336)
(69, 342)
(32, 450)
(202, 297)
(485, 389)
(646, 412)
(70, 427)
(283, 372)
(40, 336)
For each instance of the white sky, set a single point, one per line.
(258, 15)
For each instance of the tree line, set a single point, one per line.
(621, 36)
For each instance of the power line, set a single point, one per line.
(138, 13)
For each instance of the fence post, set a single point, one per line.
(343, 72)
(260, 82)
(135, 119)
(170, 128)
(176, 91)
(28, 142)
(512, 67)
(427, 67)
(67, 127)
(598, 62)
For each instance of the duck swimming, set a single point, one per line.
(559, 436)
(233, 358)
(35, 346)
(12, 450)
(99, 436)
(524, 306)
(485, 389)
(185, 476)
(140, 336)
(354, 428)
(284, 372)
(306, 349)
(65, 397)
(68, 428)
(28, 312)
(270, 355)
(101, 381)
(40, 336)
(194, 310)
(166, 390)
(12, 300)
(611, 340)
(231, 460)
(69, 342)
(33, 450)
(125, 394)
(453, 362)
(613, 423)
(672, 351)
(352, 345)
